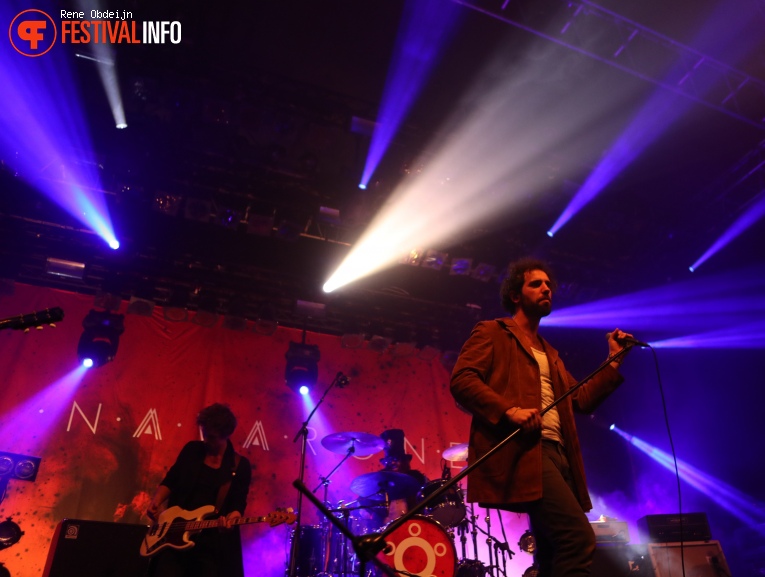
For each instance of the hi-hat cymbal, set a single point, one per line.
(363, 444)
(456, 452)
(374, 486)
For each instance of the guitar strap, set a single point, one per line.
(223, 491)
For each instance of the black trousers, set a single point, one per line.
(564, 538)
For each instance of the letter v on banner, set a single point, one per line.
(257, 437)
(149, 426)
(84, 418)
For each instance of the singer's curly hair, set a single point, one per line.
(516, 276)
(218, 419)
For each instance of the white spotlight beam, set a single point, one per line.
(494, 159)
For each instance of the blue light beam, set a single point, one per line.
(736, 502)
(750, 216)
(703, 309)
(42, 128)
(725, 31)
(425, 27)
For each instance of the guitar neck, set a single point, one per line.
(209, 523)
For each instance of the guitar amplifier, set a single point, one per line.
(701, 559)
(95, 549)
(667, 528)
(617, 560)
(611, 531)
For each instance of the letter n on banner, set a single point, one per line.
(84, 418)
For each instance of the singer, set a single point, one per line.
(505, 375)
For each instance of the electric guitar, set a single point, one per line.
(175, 526)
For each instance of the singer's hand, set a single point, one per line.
(527, 419)
(616, 343)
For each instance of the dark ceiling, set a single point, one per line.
(240, 134)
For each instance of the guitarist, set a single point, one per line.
(207, 472)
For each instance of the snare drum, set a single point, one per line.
(449, 508)
(421, 546)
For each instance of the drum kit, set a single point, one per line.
(424, 545)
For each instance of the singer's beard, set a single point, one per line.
(536, 310)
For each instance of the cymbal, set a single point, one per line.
(374, 486)
(456, 452)
(363, 444)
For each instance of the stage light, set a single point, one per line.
(21, 467)
(65, 268)
(207, 310)
(460, 266)
(414, 257)
(527, 543)
(235, 316)
(175, 308)
(484, 272)
(302, 369)
(267, 321)
(101, 337)
(363, 186)
(141, 306)
(434, 259)
(10, 534)
(114, 244)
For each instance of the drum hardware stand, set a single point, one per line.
(489, 540)
(462, 532)
(474, 532)
(339, 380)
(368, 546)
(505, 548)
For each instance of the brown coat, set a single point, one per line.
(496, 371)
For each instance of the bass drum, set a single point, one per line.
(312, 550)
(421, 546)
(342, 558)
(449, 508)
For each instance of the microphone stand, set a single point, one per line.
(368, 546)
(303, 435)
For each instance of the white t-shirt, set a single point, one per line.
(551, 420)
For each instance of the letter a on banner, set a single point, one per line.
(257, 437)
(149, 426)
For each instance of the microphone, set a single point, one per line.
(629, 341)
(342, 380)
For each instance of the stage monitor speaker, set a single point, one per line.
(702, 559)
(673, 528)
(96, 549)
(620, 560)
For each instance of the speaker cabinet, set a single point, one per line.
(618, 560)
(96, 549)
(702, 559)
